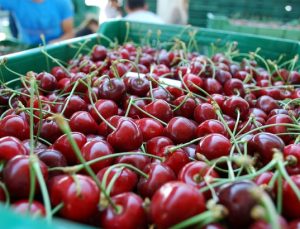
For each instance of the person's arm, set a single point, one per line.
(68, 30)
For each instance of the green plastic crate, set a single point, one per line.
(11, 46)
(35, 60)
(223, 23)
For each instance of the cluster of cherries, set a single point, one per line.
(135, 137)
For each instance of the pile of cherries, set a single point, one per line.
(134, 137)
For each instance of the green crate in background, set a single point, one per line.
(12, 45)
(255, 9)
(35, 60)
(223, 23)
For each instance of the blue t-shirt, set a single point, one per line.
(36, 18)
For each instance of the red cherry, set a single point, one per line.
(131, 214)
(38, 146)
(234, 87)
(195, 174)
(97, 149)
(113, 89)
(81, 76)
(78, 193)
(266, 103)
(190, 80)
(74, 104)
(58, 73)
(126, 180)
(160, 93)
(295, 224)
(214, 146)
(99, 52)
(181, 129)
(158, 175)
(175, 91)
(175, 202)
(137, 160)
(294, 77)
(186, 106)
(292, 151)
(212, 86)
(133, 111)
(83, 122)
(49, 130)
(203, 112)
(16, 176)
(159, 109)
(150, 128)
(264, 144)
(138, 86)
(126, 137)
(107, 108)
(175, 159)
(261, 224)
(279, 129)
(156, 145)
(46, 81)
(239, 201)
(209, 127)
(24, 207)
(11, 147)
(214, 226)
(63, 145)
(15, 126)
(234, 104)
(290, 202)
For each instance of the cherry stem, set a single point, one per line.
(6, 193)
(57, 208)
(279, 194)
(174, 148)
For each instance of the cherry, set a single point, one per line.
(266, 103)
(38, 146)
(79, 195)
(259, 114)
(175, 92)
(159, 109)
(181, 129)
(75, 104)
(99, 52)
(16, 176)
(158, 175)
(223, 76)
(64, 84)
(234, 87)
(63, 145)
(212, 86)
(186, 106)
(11, 147)
(97, 149)
(156, 145)
(264, 144)
(126, 179)
(58, 73)
(106, 108)
(209, 127)
(83, 122)
(81, 76)
(290, 201)
(214, 226)
(52, 158)
(213, 146)
(239, 201)
(263, 179)
(113, 89)
(203, 112)
(175, 202)
(150, 128)
(294, 77)
(279, 129)
(234, 104)
(104, 129)
(160, 93)
(133, 111)
(261, 224)
(190, 80)
(137, 160)
(49, 130)
(292, 151)
(175, 159)
(126, 137)
(195, 174)
(24, 207)
(15, 126)
(46, 81)
(138, 86)
(130, 215)
(295, 224)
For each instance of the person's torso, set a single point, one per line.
(144, 16)
(34, 19)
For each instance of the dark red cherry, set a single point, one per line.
(214, 146)
(212, 86)
(126, 137)
(15, 126)
(203, 112)
(290, 201)
(156, 145)
(239, 201)
(25, 207)
(83, 122)
(113, 89)
(190, 80)
(160, 93)
(138, 86)
(181, 129)
(175, 91)
(73, 104)
(175, 202)
(150, 128)
(99, 52)
(38, 146)
(262, 224)
(266, 103)
(63, 145)
(264, 144)
(294, 77)
(134, 112)
(11, 147)
(79, 194)
(46, 81)
(159, 109)
(106, 108)
(131, 214)
(137, 160)
(234, 87)
(223, 76)
(235, 104)
(16, 176)
(97, 149)
(295, 224)
(292, 152)
(209, 127)
(185, 106)
(49, 130)
(158, 175)
(125, 181)
(174, 159)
